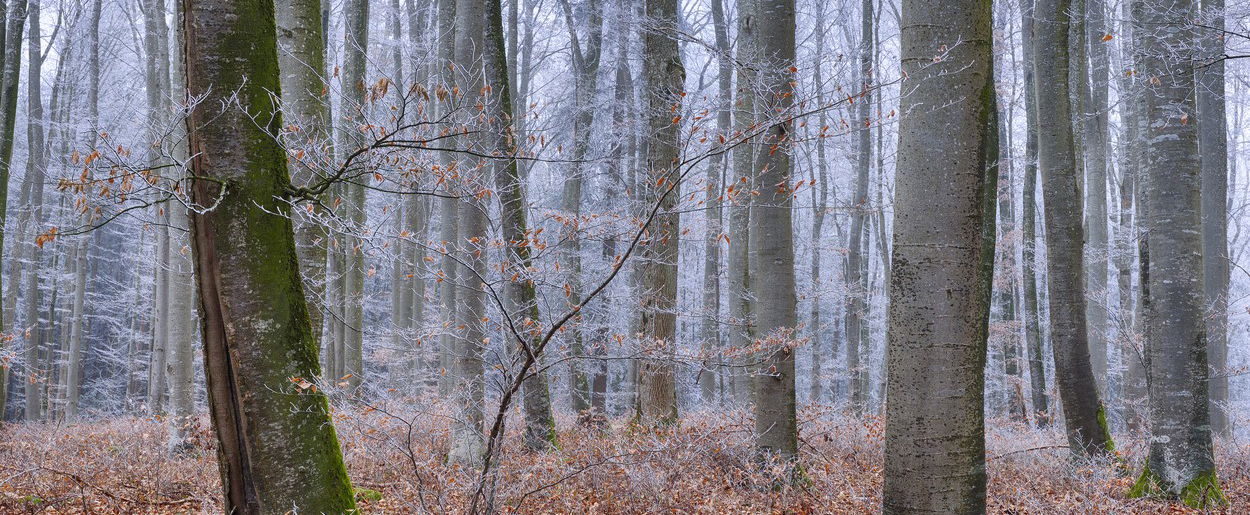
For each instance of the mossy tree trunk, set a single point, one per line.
(1181, 463)
(277, 449)
(1083, 411)
(942, 259)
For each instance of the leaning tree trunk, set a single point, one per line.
(1181, 463)
(767, 29)
(1085, 418)
(277, 450)
(301, 61)
(521, 292)
(1213, 149)
(665, 78)
(820, 203)
(1028, 224)
(943, 259)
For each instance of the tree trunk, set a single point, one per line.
(277, 449)
(943, 259)
(522, 295)
(355, 107)
(710, 334)
(856, 283)
(820, 203)
(302, 61)
(1180, 464)
(37, 377)
(1096, 135)
(1083, 412)
(467, 439)
(767, 31)
(10, 75)
(1213, 149)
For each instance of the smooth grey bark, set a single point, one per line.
(942, 258)
(1084, 417)
(36, 164)
(182, 269)
(766, 31)
(665, 77)
(738, 194)
(355, 106)
(449, 222)
(1213, 151)
(277, 449)
(1028, 256)
(1181, 462)
(856, 280)
(156, 86)
(1096, 131)
(709, 328)
(302, 63)
(467, 437)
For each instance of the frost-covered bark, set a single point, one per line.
(38, 376)
(1028, 224)
(665, 77)
(277, 450)
(13, 19)
(1095, 129)
(1181, 463)
(709, 327)
(1083, 412)
(943, 228)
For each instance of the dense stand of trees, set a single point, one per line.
(950, 214)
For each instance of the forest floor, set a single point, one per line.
(395, 461)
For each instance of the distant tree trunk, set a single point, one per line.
(540, 433)
(302, 61)
(38, 377)
(467, 438)
(856, 283)
(355, 105)
(1132, 212)
(277, 450)
(1083, 412)
(156, 85)
(665, 78)
(585, 67)
(1032, 319)
(1213, 149)
(1096, 129)
(449, 223)
(767, 31)
(738, 194)
(710, 335)
(1181, 462)
(943, 261)
(10, 76)
(820, 203)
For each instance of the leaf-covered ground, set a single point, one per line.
(121, 466)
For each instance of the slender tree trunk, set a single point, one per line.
(1083, 412)
(156, 84)
(277, 449)
(449, 222)
(766, 29)
(1095, 143)
(710, 334)
(943, 259)
(738, 193)
(665, 78)
(1181, 462)
(1032, 319)
(820, 203)
(856, 284)
(302, 61)
(521, 292)
(355, 107)
(10, 74)
(38, 376)
(467, 438)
